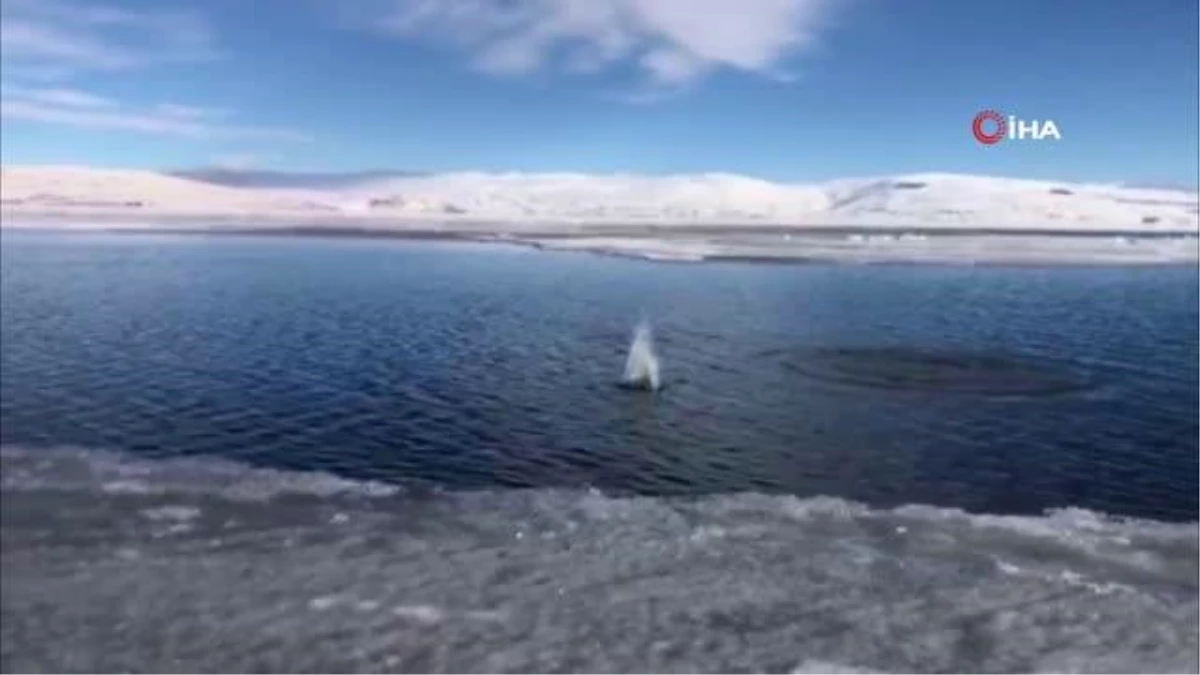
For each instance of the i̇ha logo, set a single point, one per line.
(990, 127)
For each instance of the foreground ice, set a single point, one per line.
(113, 563)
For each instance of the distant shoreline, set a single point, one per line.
(454, 229)
(813, 245)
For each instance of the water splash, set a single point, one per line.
(641, 366)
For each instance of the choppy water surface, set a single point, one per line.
(291, 454)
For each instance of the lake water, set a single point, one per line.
(233, 452)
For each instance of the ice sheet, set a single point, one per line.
(219, 566)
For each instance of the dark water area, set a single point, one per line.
(237, 454)
(466, 366)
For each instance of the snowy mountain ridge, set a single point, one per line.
(917, 200)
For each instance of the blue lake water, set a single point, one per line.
(852, 402)
(459, 365)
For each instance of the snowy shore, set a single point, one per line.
(683, 217)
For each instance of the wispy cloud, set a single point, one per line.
(88, 111)
(71, 36)
(71, 98)
(181, 111)
(241, 161)
(49, 45)
(673, 42)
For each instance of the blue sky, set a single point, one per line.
(781, 89)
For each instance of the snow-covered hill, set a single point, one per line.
(949, 199)
(630, 198)
(918, 200)
(83, 191)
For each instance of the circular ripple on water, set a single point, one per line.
(932, 370)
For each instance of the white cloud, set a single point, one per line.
(87, 111)
(240, 161)
(672, 66)
(29, 110)
(57, 35)
(64, 41)
(71, 98)
(674, 42)
(190, 112)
